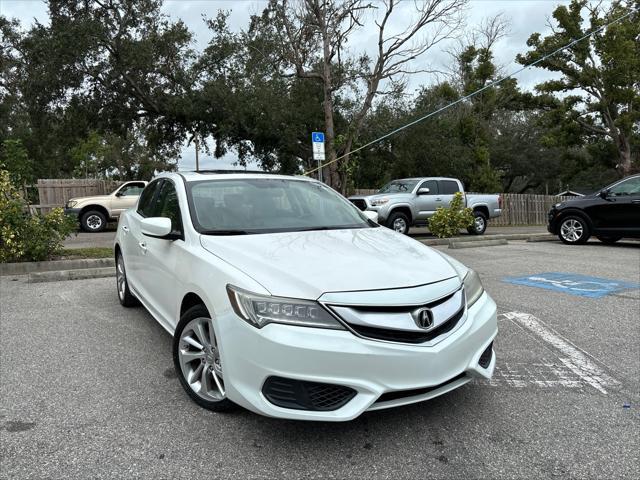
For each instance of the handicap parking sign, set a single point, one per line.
(317, 137)
(574, 284)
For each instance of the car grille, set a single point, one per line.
(399, 394)
(405, 336)
(358, 202)
(303, 395)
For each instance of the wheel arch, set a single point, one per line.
(191, 299)
(98, 208)
(484, 209)
(574, 212)
(402, 209)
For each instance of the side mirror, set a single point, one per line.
(373, 216)
(119, 193)
(604, 193)
(158, 227)
(423, 191)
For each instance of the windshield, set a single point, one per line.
(399, 186)
(264, 205)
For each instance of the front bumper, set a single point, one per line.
(74, 212)
(370, 367)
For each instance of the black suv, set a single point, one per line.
(610, 214)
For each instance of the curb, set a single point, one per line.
(546, 238)
(76, 274)
(23, 268)
(479, 243)
(484, 238)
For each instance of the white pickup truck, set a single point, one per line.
(407, 202)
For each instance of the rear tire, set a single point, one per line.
(479, 224)
(609, 240)
(574, 230)
(93, 221)
(398, 222)
(196, 358)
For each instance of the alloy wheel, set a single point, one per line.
(571, 230)
(399, 225)
(478, 224)
(121, 277)
(94, 222)
(199, 357)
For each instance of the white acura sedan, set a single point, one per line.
(284, 298)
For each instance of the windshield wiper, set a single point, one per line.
(225, 232)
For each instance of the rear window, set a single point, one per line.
(448, 187)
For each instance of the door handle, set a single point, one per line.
(143, 247)
(125, 229)
(438, 199)
(635, 201)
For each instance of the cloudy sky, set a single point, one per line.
(524, 16)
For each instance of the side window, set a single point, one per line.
(146, 204)
(131, 190)
(628, 187)
(167, 206)
(432, 185)
(448, 187)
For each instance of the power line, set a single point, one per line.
(473, 94)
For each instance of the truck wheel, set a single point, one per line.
(399, 222)
(479, 224)
(93, 221)
(574, 230)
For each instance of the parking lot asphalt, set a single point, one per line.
(89, 390)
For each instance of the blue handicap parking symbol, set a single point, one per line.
(317, 137)
(581, 285)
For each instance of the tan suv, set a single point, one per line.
(94, 212)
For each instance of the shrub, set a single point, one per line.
(25, 237)
(447, 222)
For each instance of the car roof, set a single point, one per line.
(424, 178)
(192, 176)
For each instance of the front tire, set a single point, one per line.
(479, 224)
(398, 222)
(124, 294)
(93, 221)
(196, 358)
(574, 230)
(609, 240)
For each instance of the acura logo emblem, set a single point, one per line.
(423, 318)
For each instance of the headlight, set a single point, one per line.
(472, 287)
(557, 205)
(260, 310)
(379, 201)
(72, 203)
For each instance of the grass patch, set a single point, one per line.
(90, 252)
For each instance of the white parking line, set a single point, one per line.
(572, 358)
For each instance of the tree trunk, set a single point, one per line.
(624, 154)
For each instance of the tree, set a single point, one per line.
(310, 39)
(599, 87)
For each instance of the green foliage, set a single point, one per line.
(27, 237)
(14, 157)
(601, 75)
(447, 222)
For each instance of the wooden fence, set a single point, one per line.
(517, 209)
(55, 192)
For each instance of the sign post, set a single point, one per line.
(317, 142)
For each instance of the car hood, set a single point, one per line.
(308, 264)
(93, 198)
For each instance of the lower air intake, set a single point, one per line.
(303, 395)
(485, 358)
